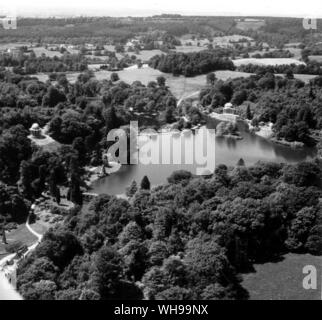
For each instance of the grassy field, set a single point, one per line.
(225, 41)
(315, 58)
(250, 25)
(283, 280)
(188, 49)
(297, 52)
(304, 77)
(266, 61)
(21, 234)
(179, 86)
(146, 55)
(5, 46)
(40, 50)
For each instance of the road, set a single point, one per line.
(7, 292)
(187, 97)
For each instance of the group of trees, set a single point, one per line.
(290, 104)
(274, 54)
(29, 63)
(13, 207)
(191, 64)
(187, 239)
(312, 67)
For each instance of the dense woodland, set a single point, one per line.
(292, 106)
(192, 64)
(28, 63)
(311, 67)
(188, 239)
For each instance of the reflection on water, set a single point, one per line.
(251, 148)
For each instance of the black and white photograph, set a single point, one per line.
(162, 155)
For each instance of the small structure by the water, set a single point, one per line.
(229, 109)
(229, 114)
(35, 131)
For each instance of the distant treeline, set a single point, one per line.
(191, 64)
(274, 54)
(30, 64)
(311, 67)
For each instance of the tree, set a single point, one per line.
(248, 113)
(53, 97)
(107, 272)
(161, 81)
(111, 119)
(289, 74)
(145, 183)
(241, 162)
(74, 192)
(132, 189)
(211, 78)
(60, 246)
(114, 77)
(180, 176)
(239, 97)
(14, 148)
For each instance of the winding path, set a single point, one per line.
(187, 97)
(36, 234)
(7, 291)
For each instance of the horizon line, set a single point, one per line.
(199, 14)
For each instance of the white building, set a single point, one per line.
(35, 130)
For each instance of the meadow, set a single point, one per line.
(179, 86)
(250, 24)
(267, 61)
(282, 279)
(41, 50)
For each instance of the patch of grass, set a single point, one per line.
(315, 58)
(20, 234)
(282, 280)
(250, 25)
(40, 50)
(267, 61)
(146, 55)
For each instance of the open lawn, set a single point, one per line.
(179, 86)
(283, 280)
(267, 61)
(146, 55)
(304, 77)
(315, 58)
(41, 50)
(187, 49)
(250, 25)
(21, 234)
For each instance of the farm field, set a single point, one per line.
(250, 25)
(315, 58)
(304, 77)
(41, 50)
(178, 85)
(5, 46)
(225, 41)
(192, 48)
(146, 55)
(20, 234)
(282, 280)
(267, 62)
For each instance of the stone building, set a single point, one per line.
(35, 130)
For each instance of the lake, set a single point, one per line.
(251, 148)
